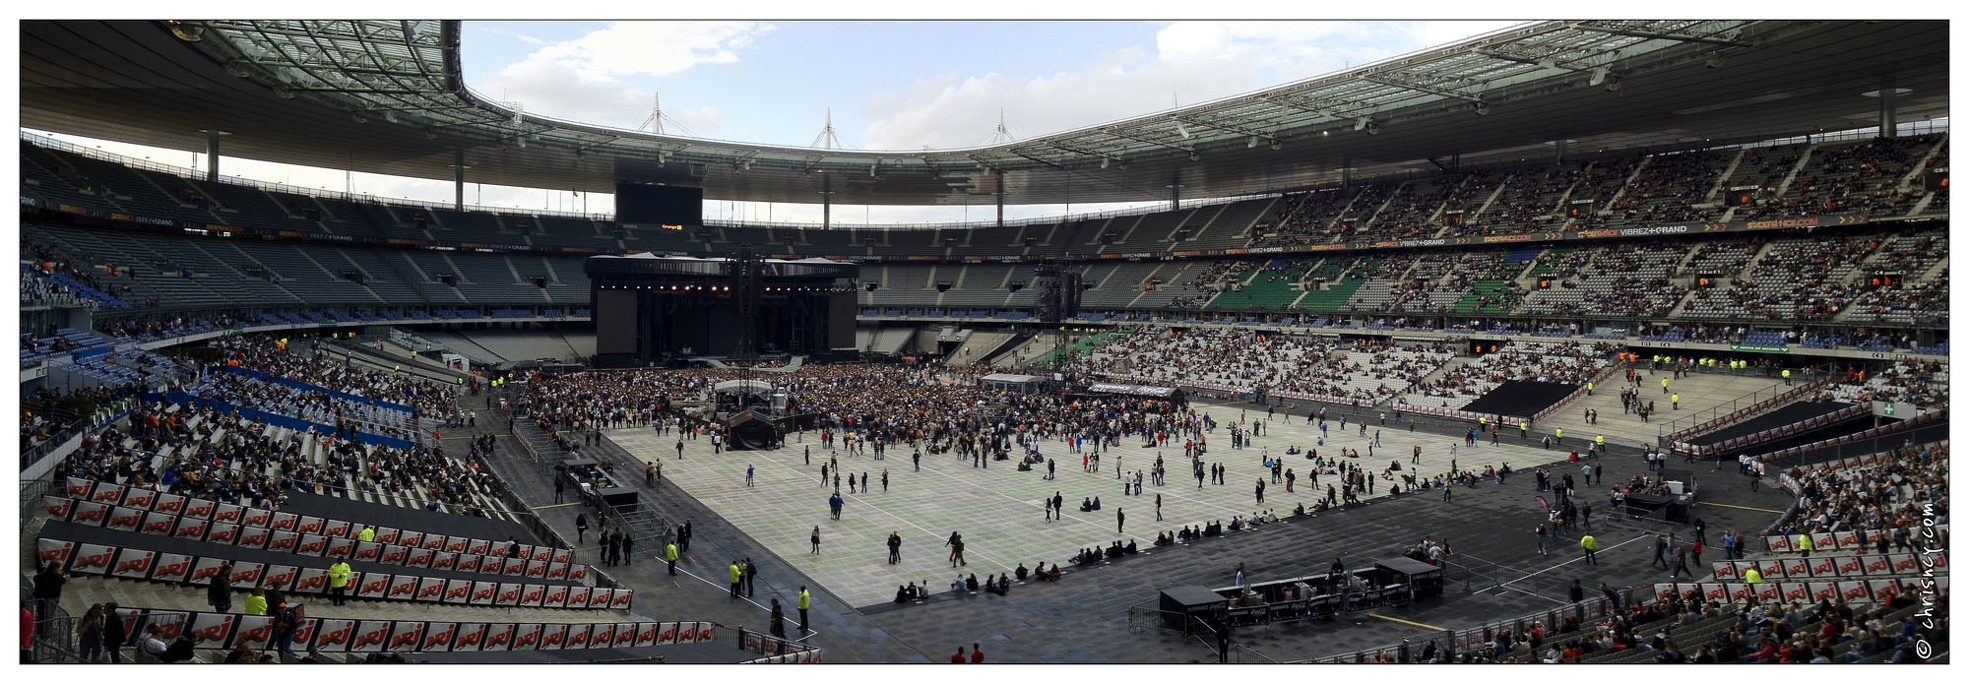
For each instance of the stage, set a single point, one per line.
(1520, 398)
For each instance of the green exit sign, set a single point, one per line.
(1889, 408)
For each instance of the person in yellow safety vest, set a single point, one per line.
(670, 556)
(338, 582)
(1481, 421)
(1559, 435)
(1787, 377)
(1523, 432)
(1805, 545)
(1675, 400)
(1664, 385)
(1589, 545)
(256, 602)
(1600, 441)
(736, 575)
(806, 601)
(1589, 388)
(367, 534)
(1752, 576)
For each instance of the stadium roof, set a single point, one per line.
(388, 97)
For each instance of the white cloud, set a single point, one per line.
(1192, 62)
(583, 79)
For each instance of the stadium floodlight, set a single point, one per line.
(1277, 144)
(1252, 144)
(1482, 108)
(1599, 76)
(1362, 123)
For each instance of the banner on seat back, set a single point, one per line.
(457, 591)
(431, 589)
(173, 504)
(54, 551)
(223, 533)
(255, 631)
(455, 544)
(279, 541)
(78, 487)
(646, 633)
(108, 493)
(202, 509)
(370, 636)
(227, 513)
(509, 594)
(249, 574)
(312, 544)
(158, 523)
(192, 528)
(600, 635)
(484, 593)
(418, 558)
(260, 517)
(406, 538)
(204, 569)
(336, 634)
(140, 498)
(552, 637)
(491, 565)
(90, 513)
(311, 581)
(124, 519)
(58, 507)
(338, 529)
(499, 637)
(212, 628)
(134, 564)
(471, 637)
(172, 567)
(478, 546)
(92, 559)
(438, 637)
(394, 554)
(387, 535)
(625, 635)
(470, 562)
(339, 547)
(556, 596)
(406, 635)
(1854, 590)
(444, 560)
(309, 524)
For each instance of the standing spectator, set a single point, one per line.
(581, 528)
(806, 601)
(1541, 539)
(815, 538)
(1588, 545)
(670, 557)
(219, 593)
(114, 634)
(977, 653)
(628, 548)
(338, 582)
(256, 602)
(737, 577)
(751, 571)
(777, 620)
(48, 590)
(88, 634)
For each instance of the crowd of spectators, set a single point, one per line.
(1888, 495)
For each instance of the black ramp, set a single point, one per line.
(1520, 398)
(1795, 413)
(418, 519)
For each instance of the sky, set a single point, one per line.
(887, 85)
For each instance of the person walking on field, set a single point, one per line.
(806, 600)
(816, 540)
(956, 544)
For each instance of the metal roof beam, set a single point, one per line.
(1409, 85)
(1210, 123)
(1116, 132)
(1661, 35)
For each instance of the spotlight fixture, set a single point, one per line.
(1277, 144)
(1599, 76)
(1482, 108)
(1361, 124)
(1194, 156)
(1715, 60)
(1613, 83)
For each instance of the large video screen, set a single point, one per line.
(659, 204)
